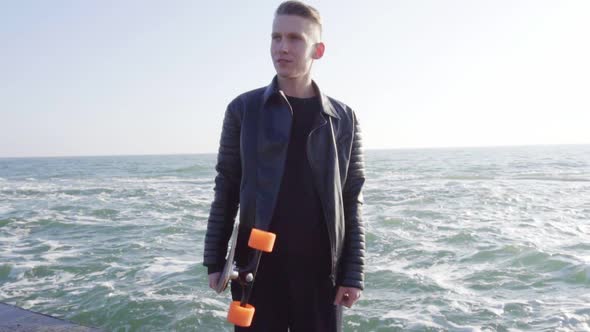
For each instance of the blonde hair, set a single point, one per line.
(300, 9)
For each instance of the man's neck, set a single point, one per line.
(297, 87)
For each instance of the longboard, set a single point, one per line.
(240, 312)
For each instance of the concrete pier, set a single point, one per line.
(15, 319)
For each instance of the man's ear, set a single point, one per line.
(318, 51)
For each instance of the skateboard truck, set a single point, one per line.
(240, 312)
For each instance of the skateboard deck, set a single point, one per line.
(229, 269)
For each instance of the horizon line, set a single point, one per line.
(365, 149)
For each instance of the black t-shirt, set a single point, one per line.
(298, 219)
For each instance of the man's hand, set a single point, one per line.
(347, 296)
(213, 277)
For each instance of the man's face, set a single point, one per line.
(294, 45)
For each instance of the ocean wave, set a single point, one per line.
(552, 178)
(23, 192)
(165, 180)
(466, 178)
(192, 169)
(86, 191)
(578, 274)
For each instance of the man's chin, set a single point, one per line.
(284, 73)
(287, 75)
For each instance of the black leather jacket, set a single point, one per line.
(250, 164)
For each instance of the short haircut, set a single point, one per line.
(300, 9)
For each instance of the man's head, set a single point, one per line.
(296, 39)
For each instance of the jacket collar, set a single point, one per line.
(327, 107)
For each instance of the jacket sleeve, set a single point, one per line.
(353, 255)
(227, 192)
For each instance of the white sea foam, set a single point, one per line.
(162, 266)
(107, 284)
(54, 256)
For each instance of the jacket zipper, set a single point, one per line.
(332, 265)
(332, 241)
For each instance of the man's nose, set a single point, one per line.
(283, 47)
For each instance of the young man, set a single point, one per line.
(291, 158)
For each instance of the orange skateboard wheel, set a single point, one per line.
(240, 316)
(261, 240)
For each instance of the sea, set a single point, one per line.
(458, 239)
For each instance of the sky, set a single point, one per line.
(154, 77)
